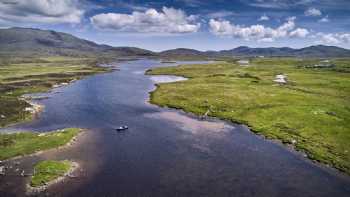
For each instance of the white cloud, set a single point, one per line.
(169, 20)
(287, 26)
(299, 33)
(333, 38)
(257, 32)
(329, 39)
(41, 11)
(221, 14)
(345, 37)
(264, 18)
(266, 40)
(312, 12)
(324, 19)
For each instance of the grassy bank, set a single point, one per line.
(311, 111)
(19, 76)
(47, 171)
(19, 144)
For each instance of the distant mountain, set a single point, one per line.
(312, 51)
(244, 51)
(322, 51)
(29, 41)
(181, 52)
(247, 51)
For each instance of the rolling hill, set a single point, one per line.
(18, 41)
(28, 41)
(181, 52)
(312, 51)
(244, 51)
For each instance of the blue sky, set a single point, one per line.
(198, 24)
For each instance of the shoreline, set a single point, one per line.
(35, 108)
(291, 147)
(67, 145)
(35, 190)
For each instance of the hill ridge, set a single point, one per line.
(34, 41)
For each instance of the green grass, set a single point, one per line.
(312, 111)
(24, 143)
(46, 171)
(20, 76)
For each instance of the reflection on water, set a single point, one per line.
(164, 152)
(190, 124)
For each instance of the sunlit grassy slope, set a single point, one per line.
(312, 111)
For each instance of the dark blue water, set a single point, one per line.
(165, 152)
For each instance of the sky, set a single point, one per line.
(197, 24)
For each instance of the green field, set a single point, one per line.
(311, 111)
(46, 171)
(24, 143)
(19, 76)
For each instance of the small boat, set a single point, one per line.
(122, 128)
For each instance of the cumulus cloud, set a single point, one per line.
(264, 18)
(333, 38)
(169, 20)
(257, 32)
(329, 39)
(41, 11)
(324, 19)
(345, 37)
(299, 33)
(313, 12)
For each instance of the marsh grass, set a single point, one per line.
(25, 143)
(311, 111)
(49, 170)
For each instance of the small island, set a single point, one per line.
(47, 172)
(25, 143)
(50, 172)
